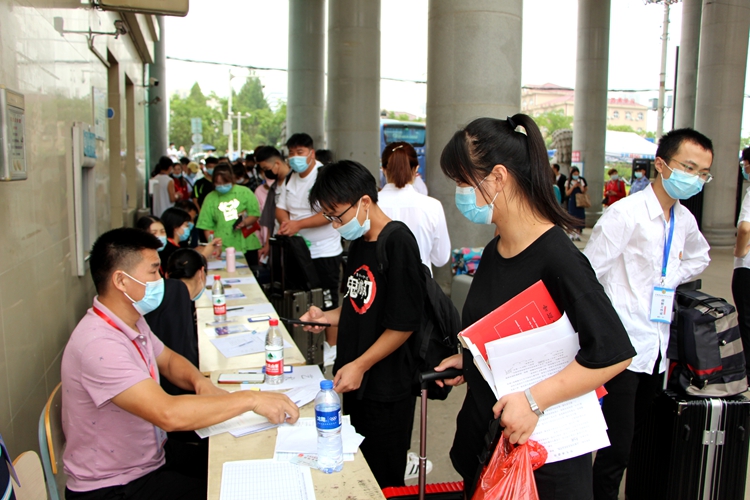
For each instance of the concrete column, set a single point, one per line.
(353, 104)
(718, 109)
(590, 116)
(306, 76)
(158, 139)
(473, 71)
(687, 69)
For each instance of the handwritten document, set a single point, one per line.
(568, 429)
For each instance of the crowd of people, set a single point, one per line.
(130, 365)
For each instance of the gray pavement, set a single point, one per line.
(441, 415)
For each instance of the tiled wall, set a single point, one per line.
(40, 298)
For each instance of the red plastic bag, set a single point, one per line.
(510, 473)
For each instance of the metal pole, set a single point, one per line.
(229, 115)
(663, 73)
(239, 133)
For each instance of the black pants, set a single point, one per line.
(625, 408)
(251, 256)
(329, 273)
(387, 431)
(741, 294)
(184, 476)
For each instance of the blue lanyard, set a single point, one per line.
(668, 243)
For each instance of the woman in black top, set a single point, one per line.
(178, 225)
(500, 168)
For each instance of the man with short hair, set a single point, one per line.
(203, 186)
(295, 216)
(115, 415)
(641, 249)
(274, 167)
(641, 180)
(162, 187)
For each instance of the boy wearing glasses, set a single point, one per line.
(641, 249)
(374, 368)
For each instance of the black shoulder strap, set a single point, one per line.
(380, 251)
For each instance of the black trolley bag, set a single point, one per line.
(436, 491)
(293, 289)
(694, 442)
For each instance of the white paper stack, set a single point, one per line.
(568, 429)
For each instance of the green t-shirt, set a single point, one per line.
(220, 211)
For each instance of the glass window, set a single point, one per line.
(413, 134)
(628, 116)
(640, 116)
(616, 114)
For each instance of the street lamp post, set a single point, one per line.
(230, 146)
(663, 72)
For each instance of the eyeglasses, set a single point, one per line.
(705, 176)
(337, 218)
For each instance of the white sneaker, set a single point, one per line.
(412, 466)
(329, 354)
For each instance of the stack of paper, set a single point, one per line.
(265, 480)
(302, 437)
(568, 429)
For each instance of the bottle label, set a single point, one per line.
(327, 420)
(220, 305)
(275, 361)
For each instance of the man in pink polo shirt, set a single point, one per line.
(115, 414)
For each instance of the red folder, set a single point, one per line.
(526, 311)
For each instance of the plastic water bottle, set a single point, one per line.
(219, 300)
(274, 353)
(328, 423)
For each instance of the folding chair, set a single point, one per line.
(29, 470)
(52, 444)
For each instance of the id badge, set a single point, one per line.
(661, 304)
(161, 437)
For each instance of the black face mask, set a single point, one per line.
(270, 175)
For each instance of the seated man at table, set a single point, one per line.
(114, 412)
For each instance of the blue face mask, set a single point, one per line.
(186, 233)
(682, 186)
(353, 229)
(638, 175)
(210, 171)
(153, 297)
(203, 289)
(223, 188)
(298, 163)
(466, 202)
(744, 174)
(574, 177)
(191, 225)
(163, 240)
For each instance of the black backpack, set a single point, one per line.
(437, 337)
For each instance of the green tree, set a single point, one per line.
(210, 110)
(550, 121)
(621, 128)
(250, 97)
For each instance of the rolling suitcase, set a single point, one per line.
(437, 491)
(292, 304)
(691, 449)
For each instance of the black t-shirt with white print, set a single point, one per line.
(374, 303)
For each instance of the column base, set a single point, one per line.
(720, 236)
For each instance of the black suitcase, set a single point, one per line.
(691, 449)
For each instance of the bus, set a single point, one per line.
(411, 132)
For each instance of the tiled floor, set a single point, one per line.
(442, 414)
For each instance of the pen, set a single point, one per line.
(235, 308)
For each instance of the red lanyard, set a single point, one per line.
(111, 323)
(172, 241)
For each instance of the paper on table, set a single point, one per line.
(215, 265)
(305, 458)
(265, 480)
(252, 309)
(300, 396)
(241, 345)
(242, 280)
(309, 375)
(568, 429)
(233, 293)
(302, 437)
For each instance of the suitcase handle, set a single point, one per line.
(431, 375)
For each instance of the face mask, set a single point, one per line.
(163, 240)
(153, 297)
(270, 175)
(614, 177)
(353, 229)
(638, 175)
(682, 186)
(186, 233)
(210, 171)
(223, 188)
(191, 176)
(744, 174)
(191, 225)
(203, 289)
(298, 163)
(574, 177)
(466, 202)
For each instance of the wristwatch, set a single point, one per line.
(532, 403)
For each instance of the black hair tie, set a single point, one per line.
(512, 123)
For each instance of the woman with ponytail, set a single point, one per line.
(400, 201)
(501, 172)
